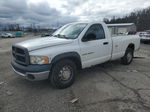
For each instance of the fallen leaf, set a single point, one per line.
(1, 83)
(74, 100)
(9, 93)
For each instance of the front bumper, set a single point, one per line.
(32, 72)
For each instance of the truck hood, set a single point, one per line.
(39, 43)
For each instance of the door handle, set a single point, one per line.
(105, 43)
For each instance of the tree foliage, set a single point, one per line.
(141, 18)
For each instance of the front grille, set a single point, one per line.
(20, 55)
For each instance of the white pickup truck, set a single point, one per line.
(72, 47)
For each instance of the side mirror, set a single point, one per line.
(88, 37)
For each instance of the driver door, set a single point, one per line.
(96, 50)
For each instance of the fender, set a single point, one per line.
(131, 45)
(74, 56)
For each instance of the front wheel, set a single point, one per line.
(63, 74)
(128, 57)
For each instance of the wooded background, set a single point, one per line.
(141, 18)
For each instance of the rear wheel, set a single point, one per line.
(63, 74)
(128, 57)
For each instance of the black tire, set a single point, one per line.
(125, 60)
(56, 79)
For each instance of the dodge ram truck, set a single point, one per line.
(72, 47)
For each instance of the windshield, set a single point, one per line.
(70, 31)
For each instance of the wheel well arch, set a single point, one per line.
(73, 56)
(131, 45)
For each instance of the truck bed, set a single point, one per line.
(120, 43)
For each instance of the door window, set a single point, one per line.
(96, 30)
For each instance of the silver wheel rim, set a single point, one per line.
(65, 73)
(129, 57)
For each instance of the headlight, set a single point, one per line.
(39, 60)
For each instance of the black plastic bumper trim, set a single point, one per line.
(31, 68)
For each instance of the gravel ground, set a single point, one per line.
(109, 87)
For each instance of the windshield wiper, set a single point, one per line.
(54, 35)
(61, 36)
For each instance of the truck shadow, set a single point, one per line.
(146, 43)
(89, 72)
